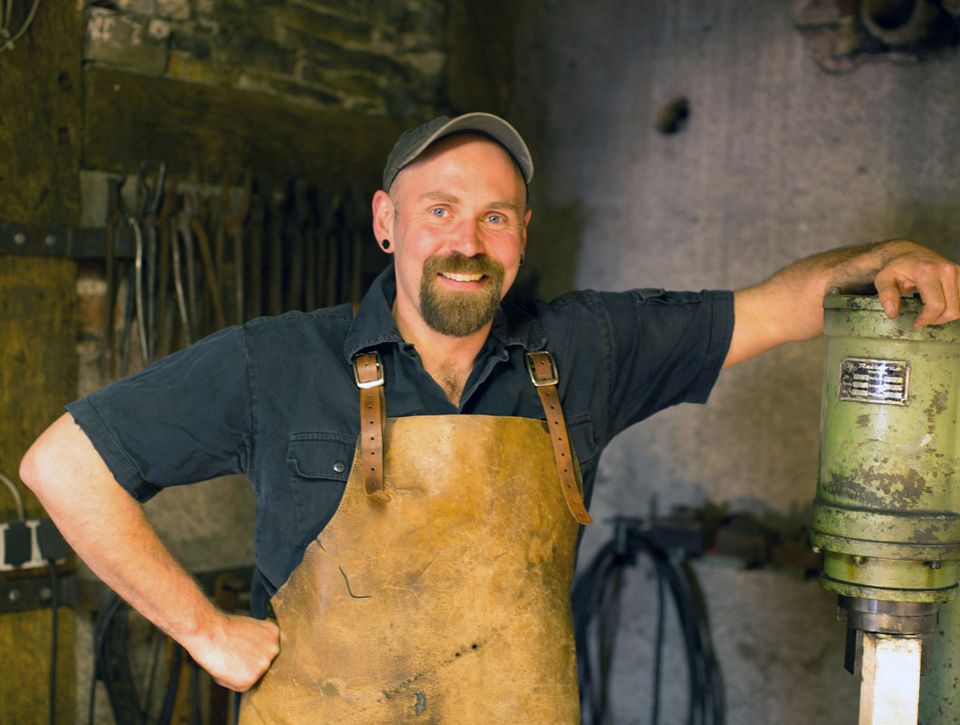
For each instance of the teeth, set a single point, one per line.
(462, 277)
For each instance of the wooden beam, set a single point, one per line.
(40, 120)
(203, 131)
(38, 374)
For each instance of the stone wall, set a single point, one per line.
(373, 58)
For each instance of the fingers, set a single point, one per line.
(239, 653)
(889, 293)
(937, 284)
(935, 278)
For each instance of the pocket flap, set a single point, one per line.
(321, 455)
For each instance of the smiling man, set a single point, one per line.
(422, 465)
(455, 220)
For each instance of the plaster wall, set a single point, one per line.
(779, 160)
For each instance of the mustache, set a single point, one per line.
(460, 264)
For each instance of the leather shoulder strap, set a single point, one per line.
(368, 372)
(543, 374)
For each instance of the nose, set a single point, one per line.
(466, 239)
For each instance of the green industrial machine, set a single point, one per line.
(887, 512)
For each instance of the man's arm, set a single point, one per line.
(108, 529)
(789, 306)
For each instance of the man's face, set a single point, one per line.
(456, 219)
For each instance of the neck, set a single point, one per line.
(449, 360)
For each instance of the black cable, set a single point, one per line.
(597, 596)
(658, 653)
(195, 694)
(108, 610)
(152, 673)
(54, 636)
(169, 700)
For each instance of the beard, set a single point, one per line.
(459, 314)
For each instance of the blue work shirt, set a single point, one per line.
(275, 399)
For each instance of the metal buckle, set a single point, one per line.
(377, 382)
(532, 369)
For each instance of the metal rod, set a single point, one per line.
(890, 684)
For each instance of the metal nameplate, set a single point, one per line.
(865, 380)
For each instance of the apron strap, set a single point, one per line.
(543, 374)
(368, 372)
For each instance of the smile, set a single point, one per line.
(460, 277)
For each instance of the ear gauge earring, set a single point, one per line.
(522, 257)
(385, 244)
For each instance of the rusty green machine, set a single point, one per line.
(887, 512)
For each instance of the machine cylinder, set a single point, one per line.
(887, 512)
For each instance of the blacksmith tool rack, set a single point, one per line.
(182, 259)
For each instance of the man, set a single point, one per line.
(428, 579)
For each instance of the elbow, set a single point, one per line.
(33, 467)
(44, 462)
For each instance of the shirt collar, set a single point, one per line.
(374, 325)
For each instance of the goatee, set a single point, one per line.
(460, 314)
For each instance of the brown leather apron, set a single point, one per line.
(443, 599)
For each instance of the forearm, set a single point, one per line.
(789, 305)
(109, 531)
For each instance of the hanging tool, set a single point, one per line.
(150, 242)
(255, 230)
(180, 232)
(275, 287)
(233, 225)
(163, 317)
(296, 224)
(330, 251)
(107, 367)
(310, 250)
(206, 259)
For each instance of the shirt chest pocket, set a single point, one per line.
(318, 467)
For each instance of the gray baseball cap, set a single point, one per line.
(415, 141)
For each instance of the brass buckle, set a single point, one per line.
(532, 369)
(376, 382)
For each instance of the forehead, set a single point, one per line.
(468, 159)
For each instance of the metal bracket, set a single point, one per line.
(23, 240)
(22, 594)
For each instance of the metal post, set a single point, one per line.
(890, 686)
(940, 689)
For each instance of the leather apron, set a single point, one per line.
(445, 598)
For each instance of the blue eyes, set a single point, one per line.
(442, 213)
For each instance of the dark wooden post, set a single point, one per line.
(40, 113)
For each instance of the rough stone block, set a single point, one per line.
(158, 29)
(250, 51)
(188, 67)
(124, 41)
(137, 7)
(190, 45)
(173, 9)
(326, 24)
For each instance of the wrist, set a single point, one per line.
(198, 625)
